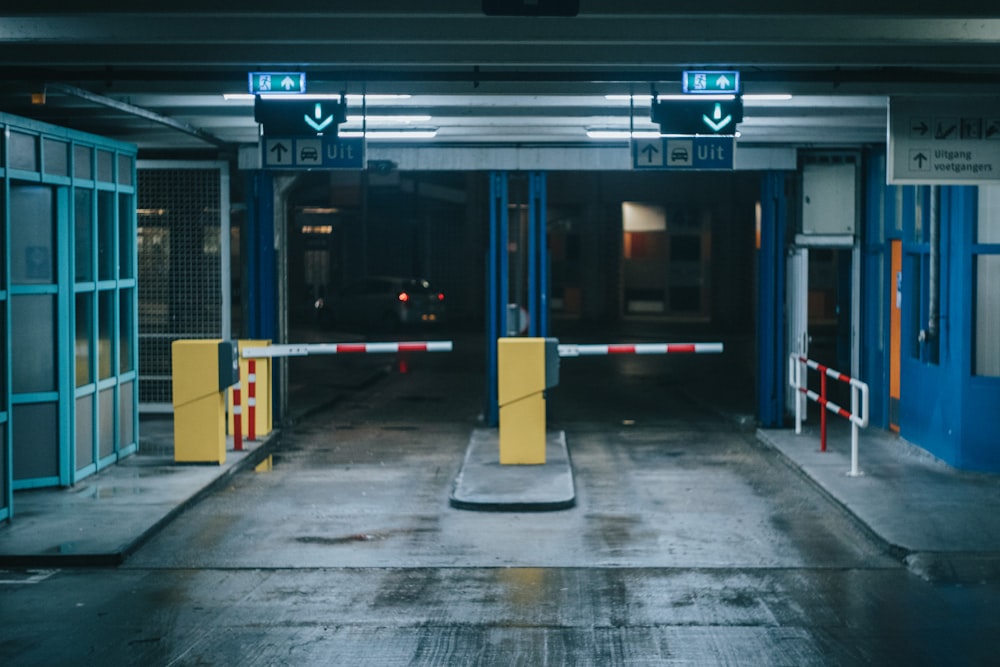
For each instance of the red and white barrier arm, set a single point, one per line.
(305, 349)
(572, 350)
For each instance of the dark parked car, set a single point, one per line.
(389, 303)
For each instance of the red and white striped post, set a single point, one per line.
(237, 419)
(252, 400)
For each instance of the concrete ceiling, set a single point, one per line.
(154, 73)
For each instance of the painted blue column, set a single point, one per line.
(261, 317)
(877, 289)
(497, 280)
(538, 258)
(770, 309)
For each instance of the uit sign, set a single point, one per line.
(684, 153)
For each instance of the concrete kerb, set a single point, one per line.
(115, 557)
(894, 550)
(959, 566)
(252, 459)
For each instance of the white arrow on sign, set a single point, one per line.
(318, 125)
(722, 81)
(288, 83)
(718, 122)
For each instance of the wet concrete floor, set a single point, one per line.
(690, 543)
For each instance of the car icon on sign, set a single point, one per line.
(309, 153)
(679, 155)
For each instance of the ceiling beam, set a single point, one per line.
(142, 113)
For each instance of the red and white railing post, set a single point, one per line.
(237, 419)
(858, 415)
(252, 400)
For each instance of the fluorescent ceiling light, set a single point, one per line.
(775, 97)
(623, 134)
(387, 119)
(390, 134)
(316, 96)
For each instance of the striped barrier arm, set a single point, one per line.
(573, 350)
(305, 349)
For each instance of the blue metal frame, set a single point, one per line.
(879, 208)
(120, 187)
(497, 280)
(771, 352)
(260, 269)
(538, 260)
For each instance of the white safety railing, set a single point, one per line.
(857, 415)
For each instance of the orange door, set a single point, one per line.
(895, 318)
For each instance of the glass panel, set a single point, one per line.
(23, 151)
(918, 214)
(105, 167)
(84, 235)
(126, 237)
(106, 435)
(3, 234)
(84, 431)
(989, 214)
(84, 338)
(82, 165)
(56, 157)
(3, 356)
(916, 296)
(33, 343)
(126, 415)
(105, 236)
(32, 235)
(3, 465)
(897, 223)
(35, 439)
(125, 170)
(987, 315)
(105, 320)
(126, 331)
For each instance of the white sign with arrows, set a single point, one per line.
(944, 140)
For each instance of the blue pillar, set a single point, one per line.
(538, 258)
(770, 309)
(497, 280)
(261, 322)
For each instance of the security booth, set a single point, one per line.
(68, 315)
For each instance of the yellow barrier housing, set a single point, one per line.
(201, 371)
(526, 367)
(263, 415)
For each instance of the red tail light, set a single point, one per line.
(404, 297)
(440, 296)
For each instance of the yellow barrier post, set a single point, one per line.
(263, 420)
(201, 370)
(525, 369)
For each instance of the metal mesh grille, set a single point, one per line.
(180, 267)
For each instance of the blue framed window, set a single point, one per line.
(67, 259)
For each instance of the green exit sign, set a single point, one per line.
(711, 82)
(268, 83)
